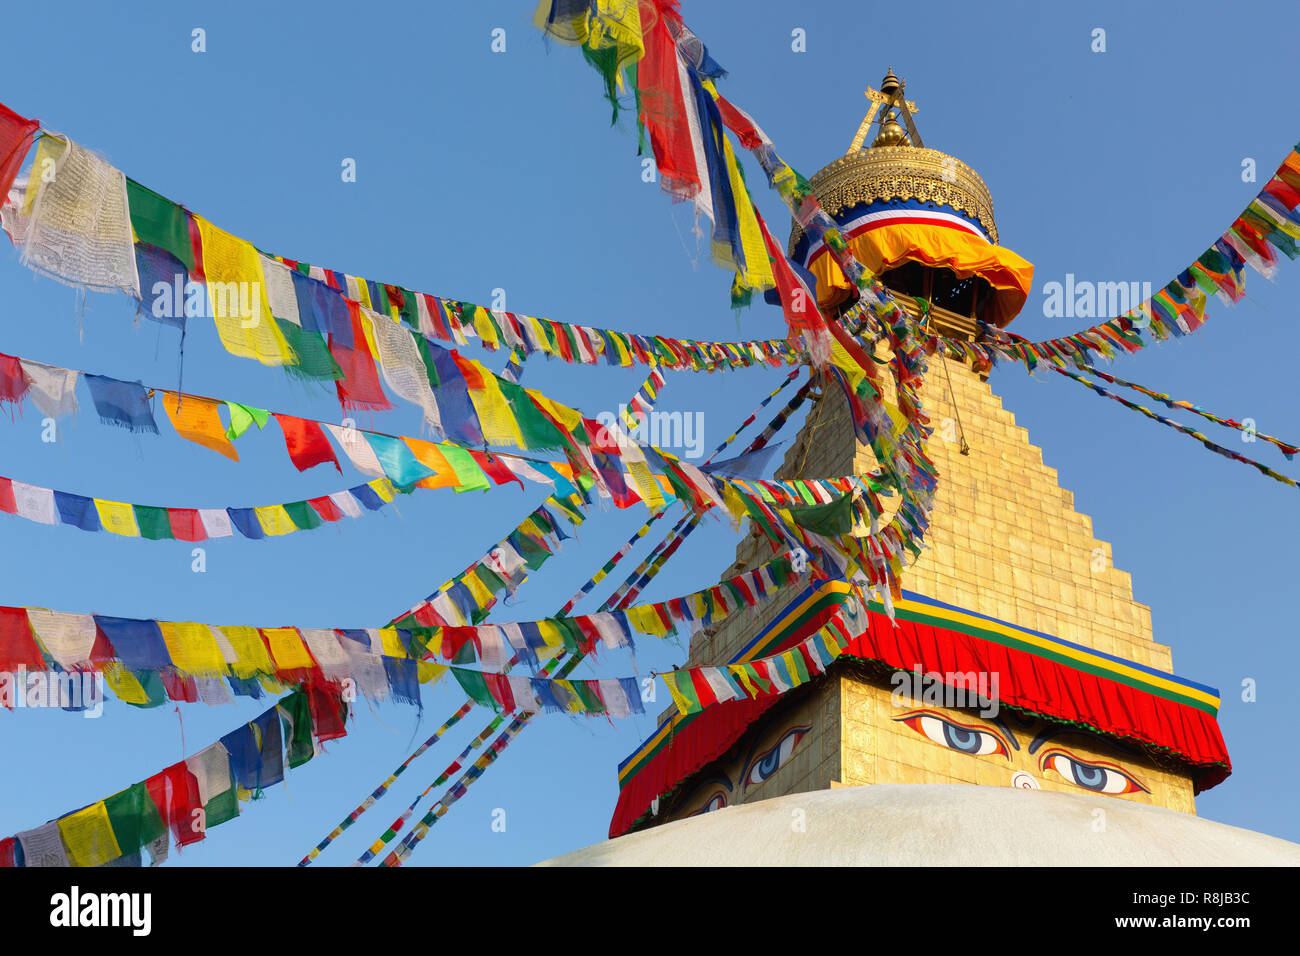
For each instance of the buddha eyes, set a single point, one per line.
(1094, 776)
(963, 738)
(716, 802)
(769, 762)
(1099, 778)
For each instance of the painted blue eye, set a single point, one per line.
(773, 760)
(963, 739)
(966, 740)
(1085, 775)
(1091, 776)
(716, 802)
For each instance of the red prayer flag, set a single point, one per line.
(18, 647)
(13, 384)
(455, 638)
(7, 496)
(175, 792)
(326, 508)
(359, 387)
(178, 687)
(434, 308)
(328, 711)
(16, 134)
(426, 616)
(499, 688)
(186, 524)
(495, 468)
(307, 445)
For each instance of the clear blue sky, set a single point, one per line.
(479, 171)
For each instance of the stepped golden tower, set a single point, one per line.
(1008, 563)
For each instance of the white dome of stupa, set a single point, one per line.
(939, 825)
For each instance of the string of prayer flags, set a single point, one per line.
(404, 459)
(525, 645)
(181, 653)
(394, 828)
(527, 652)
(1190, 432)
(466, 598)
(1269, 225)
(81, 224)
(182, 802)
(1249, 432)
(683, 113)
(158, 523)
(454, 793)
(695, 688)
(383, 788)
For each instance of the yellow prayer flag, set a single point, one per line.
(391, 642)
(117, 517)
(193, 649)
(683, 705)
(287, 648)
(483, 326)
(274, 520)
(123, 683)
(249, 651)
(741, 673)
(430, 672)
(551, 634)
(383, 488)
(237, 294)
(569, 418)
(500, 427)
(358, 291)
(88, 835)
(482, 596)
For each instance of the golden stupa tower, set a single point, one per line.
(1005, 552)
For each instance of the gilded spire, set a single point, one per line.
(891, 133)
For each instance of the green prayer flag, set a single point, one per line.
(426, 356)
(303, 515)
(538, 431)
(296, 716)
(830, 520)
(160, 222)
(222, 808)
(475, 686)
(243, 416)
(154, 523)
(591, 701)
(533, 552)
(134, 818)
(314, 359)
(469, 476)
